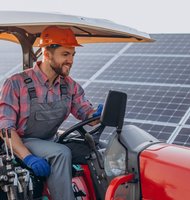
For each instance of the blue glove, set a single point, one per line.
(39, 165)
(98, 111)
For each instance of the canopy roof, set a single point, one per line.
(87, 30)
(25, 28)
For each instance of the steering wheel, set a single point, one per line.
(79, 127)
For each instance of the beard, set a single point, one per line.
(60, 69)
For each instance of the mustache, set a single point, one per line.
(68, 64)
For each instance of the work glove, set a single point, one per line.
(39, 165)
(98, 111)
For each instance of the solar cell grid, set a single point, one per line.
(86, 66)
(183, 138)
(164, 44)
(188, 121)
(149, 69)
(144, 103)
(159, 131)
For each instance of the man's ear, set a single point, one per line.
(47, 54)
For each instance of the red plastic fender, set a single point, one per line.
(88, 181)
(115, 183)
(165, 172)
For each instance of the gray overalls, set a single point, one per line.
(42, 125)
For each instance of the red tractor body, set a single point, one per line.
(165, 172)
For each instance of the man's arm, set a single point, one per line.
(81, 108)
(19, 148)
(39, 165)
(9, 109)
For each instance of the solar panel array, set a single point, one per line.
(155, 76)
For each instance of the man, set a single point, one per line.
(34, 103)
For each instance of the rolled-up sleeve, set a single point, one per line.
(81, 108)
(8, 105)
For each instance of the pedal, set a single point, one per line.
(79, 193)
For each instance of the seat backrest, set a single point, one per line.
(114, 109)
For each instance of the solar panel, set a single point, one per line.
(188, 121)
(156, 79)
(86, 65)
(150, 103)
(168, 70)
(183, 138)
(178, 44)
(159, 131)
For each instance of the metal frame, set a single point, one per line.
(26, 41)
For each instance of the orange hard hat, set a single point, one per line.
(55, 35)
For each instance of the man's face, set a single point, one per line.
(61, 60)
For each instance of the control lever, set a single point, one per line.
(26, 182)
(30, 186)
(92, 145)
(10, 142)
(1, 162)
(3, 131)
(14, 187)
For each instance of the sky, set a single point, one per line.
(151, 16)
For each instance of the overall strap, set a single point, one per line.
(63, 87)
(30, 85)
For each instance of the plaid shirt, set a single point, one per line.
(15, 101)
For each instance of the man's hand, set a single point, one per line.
(39, 165)
(98, 111)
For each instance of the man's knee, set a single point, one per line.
(65, 152)
(62, 153)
